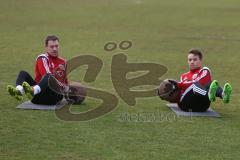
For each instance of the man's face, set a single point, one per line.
(194, 61)
(52, 48)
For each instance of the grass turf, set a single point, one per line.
(162, 32)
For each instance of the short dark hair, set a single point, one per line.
(51, 38)
(196, 52)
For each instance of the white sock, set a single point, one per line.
(20, 88)
(36, 89)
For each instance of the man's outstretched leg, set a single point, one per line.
(46, 82)
(47, 92)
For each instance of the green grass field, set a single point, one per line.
(162, 32)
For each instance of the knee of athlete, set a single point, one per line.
(23, 72)
(47, 75)
(50, 79)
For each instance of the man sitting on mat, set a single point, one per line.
(196, 86)
(50, 77)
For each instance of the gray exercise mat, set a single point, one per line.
(30, 105)
(209, 113)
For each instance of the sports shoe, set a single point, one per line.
(227, 91)
(14, 92)
(28, 90)
(212, 91)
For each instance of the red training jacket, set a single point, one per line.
(51, 65)
(201, 75)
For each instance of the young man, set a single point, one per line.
(197, 88)
(50, 77)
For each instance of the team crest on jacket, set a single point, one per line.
(60, 71)
(62, 67)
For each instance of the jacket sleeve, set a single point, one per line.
(43, 65)
(204, 78)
